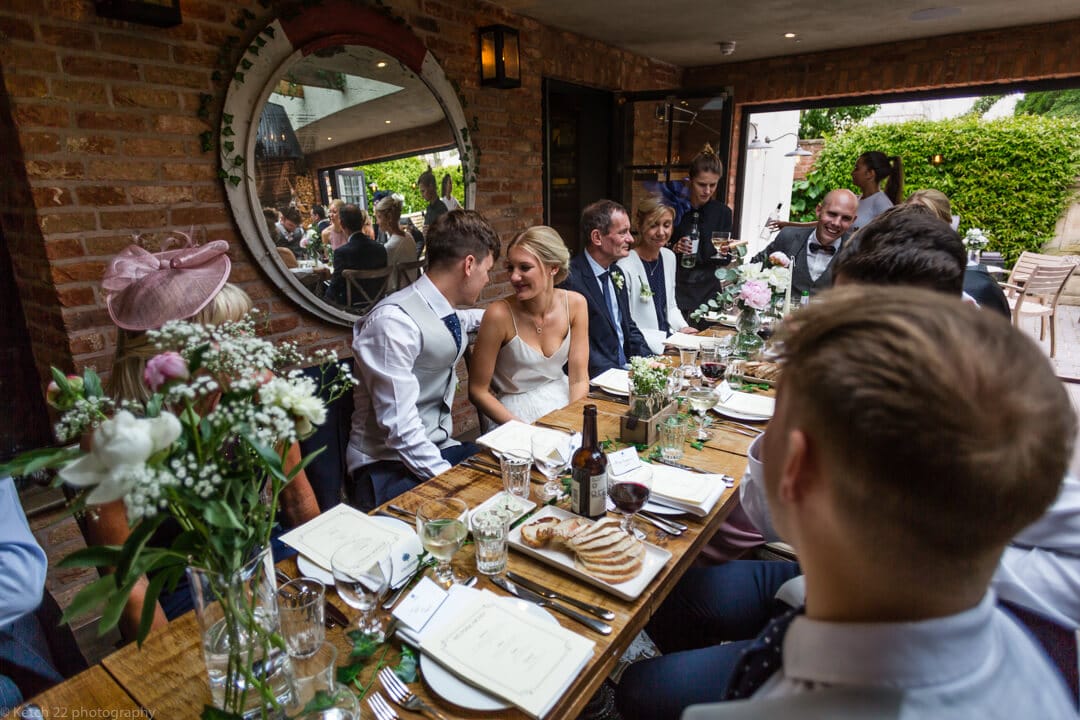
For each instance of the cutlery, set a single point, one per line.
(401, 511)
(609, 398)
(749, 428)
(661, 524)
(404, 697)
(400, 589)
(333, 617)
(674, 464)
(674, 523)
(381, 708)
(481, 468)
(529, 595)
(555, 426)
(737, 431)
(541, 590)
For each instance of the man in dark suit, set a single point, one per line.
(814, 248)
(613, 335)
(985, 290)
(360, 252)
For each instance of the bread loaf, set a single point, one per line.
(602, 548)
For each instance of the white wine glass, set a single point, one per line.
(441, 526)
(551, 453)
(702, 399)
(361, 572)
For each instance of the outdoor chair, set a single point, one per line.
(1027, 262)
(361, 291)
(288, 257)
(408, 272)
(1039, 296)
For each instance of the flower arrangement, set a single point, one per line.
(313, 243)
(975, 239)
(649, 383)
(207, 450)
(752, 286)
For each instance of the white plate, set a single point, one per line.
(735, 415)
(452, 689)
(720, 319)
(614, 381)
(405, 555)
(559, 557)
(524, 506)
(747, 406)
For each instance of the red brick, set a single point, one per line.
(141, 96)
(16, 29)
(85, 66)
(282, 324)
(67, 222)
(89, 343)
(126, 122)
(107, 246)
(21, 57)
(181, 217)
(74, 296)
(203, 10)
(209, 194)
(160, 194)
(107, 195)
(188, 171)
(31, 115)
(135, 221)
(41, 169)
(174, 75)
(52, 197)
(78, 91)
(66, 36)
(26, 86)
(90, 145)
(120, 170)
(83, 271)
(148, 146)
(195, 56)
(40, 143)
(180, 125)
(133, 46)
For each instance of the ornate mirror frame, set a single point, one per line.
(275, 49)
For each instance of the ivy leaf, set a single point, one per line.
(363, 645)
(697, 444)
(406, 669)
(322, 700)
(228, 146)
(234, 180)
(247, 64)
(347, 674)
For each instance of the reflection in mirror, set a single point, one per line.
(325, 120)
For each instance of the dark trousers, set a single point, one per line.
(730, 604)
(382, 481)
(36, 652)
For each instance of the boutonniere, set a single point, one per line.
(646, 292)
(617, 278)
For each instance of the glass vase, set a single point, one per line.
(747, 341)
(646, 405)
(974, 256)
(237, 613)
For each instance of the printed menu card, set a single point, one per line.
(318, 538)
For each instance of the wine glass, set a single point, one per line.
(441, 526)
(551, 453)
(723, 347)
(701, 399)
(712, 369)
(722, 242)
(361, 572)
(629, 492)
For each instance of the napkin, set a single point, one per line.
(691, 492)
(749, 404)
(614, 380)
(515, 438)
(686, 342)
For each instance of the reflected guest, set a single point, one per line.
(361, 252)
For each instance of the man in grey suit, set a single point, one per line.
(813, 249)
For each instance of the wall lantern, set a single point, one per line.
(160, 13)
(937, 160)
(499, 61)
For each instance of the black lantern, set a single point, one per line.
(499, 62)
(160, 13)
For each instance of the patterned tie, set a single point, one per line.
(761, 658)
(454, 326)
(827, 249)
(610, 302)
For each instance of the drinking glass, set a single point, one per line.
(701, 400)
(734, 374)
(551, 453)
(723, 347)
(302, 611)
(722, 242)
(441, 526)
(361, 572)
(688, 362)
(672, 437)
(315, 676)
(630, 491)
(489, 530)
(712, 369)
(515, 477)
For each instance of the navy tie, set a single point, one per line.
(454, 326)
(608, 300)
(761, 658)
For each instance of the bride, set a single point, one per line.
(526, 339)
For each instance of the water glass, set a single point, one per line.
(302, 611)
(489, 529)
(734, 374)
(515, 477)
(688, 362)
(315, 674)
(672, 438)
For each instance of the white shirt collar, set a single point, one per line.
(431, 294)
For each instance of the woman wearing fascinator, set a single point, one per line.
(143, 291)
(696, 285)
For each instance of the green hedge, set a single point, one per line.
(1011, 177)
(400, 176)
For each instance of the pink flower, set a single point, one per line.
(756, 294)
(164, 368)
(304, 242)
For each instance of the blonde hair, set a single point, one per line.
(649, 213)
(936, 200)
(133, 349)
(547, 245)
(391, 206)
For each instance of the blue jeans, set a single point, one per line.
(26, 662)
(372, 485)
(730, 604)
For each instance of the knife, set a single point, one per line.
(530, 596)
(663, 525)
(674, 523)
(401, 587)
(401, 511)
(540, 590)
(672, 463)
(480, 468)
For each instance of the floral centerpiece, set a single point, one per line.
(207, 451)
(649, 386)
(752, 288)
(975, 240)
(313, 243)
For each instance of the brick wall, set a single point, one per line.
(99, 121)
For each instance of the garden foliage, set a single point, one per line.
(399, 176)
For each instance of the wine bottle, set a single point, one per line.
(766, 231)
(689, 260)
(588, 491)
(805, 299)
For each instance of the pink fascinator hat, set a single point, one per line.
(144, 290)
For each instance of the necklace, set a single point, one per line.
(543, 317)
(650, 266)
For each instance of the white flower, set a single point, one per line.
(646, 292)
(120, 448)
(617, 278)
(296, 396)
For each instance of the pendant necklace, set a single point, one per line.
(543, 317)
(650, 266)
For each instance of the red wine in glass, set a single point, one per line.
(713, 371)
(628, 496)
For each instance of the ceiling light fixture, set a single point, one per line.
(790, 36)
(380, 64)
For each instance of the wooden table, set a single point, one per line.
(166, 677)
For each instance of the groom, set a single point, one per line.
(613, 335)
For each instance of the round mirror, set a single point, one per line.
(306, 111)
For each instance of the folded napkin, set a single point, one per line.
(615, 380)
(762, 406)
(515, 438)
(691, 492)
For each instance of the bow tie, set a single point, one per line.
(827, 249)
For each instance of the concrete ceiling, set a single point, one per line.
(688, 34)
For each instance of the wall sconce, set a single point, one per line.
(757, 143)
(500, 66)
(937, 160)
(797, 152)
(160, 13)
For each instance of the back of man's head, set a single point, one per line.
(942, 429)
(905, 245)
(352, 217)
(597, 216)
(459, 233)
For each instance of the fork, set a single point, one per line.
(381, 708)
(404, 697)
